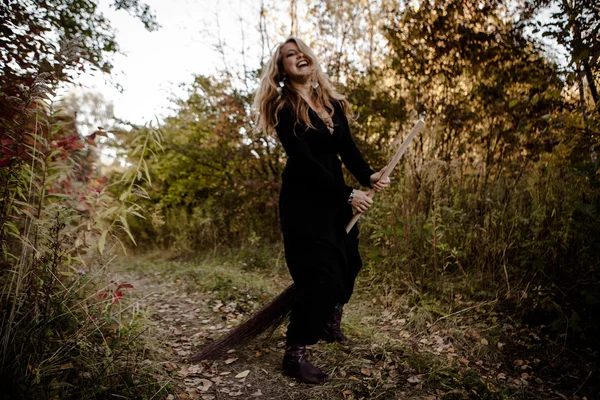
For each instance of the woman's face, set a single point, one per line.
(295, 65)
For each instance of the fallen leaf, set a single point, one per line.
(501, 376)
(235, 394)
(243, 374)
(414, 379)
(205, 384)
(230, 360)
(484, 342)
(257, 393)
(365, 371)
(500, 345)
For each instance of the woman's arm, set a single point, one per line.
(298, 150)
(351, 155)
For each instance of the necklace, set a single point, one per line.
(326, 119)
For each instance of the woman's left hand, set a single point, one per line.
(377, 183)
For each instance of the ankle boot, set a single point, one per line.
(297, 366)
(332, 331)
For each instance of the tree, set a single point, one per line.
(33, 31)
(575, 25)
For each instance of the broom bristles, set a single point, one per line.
(270, 316)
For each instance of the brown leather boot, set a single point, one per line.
(297, 366)
(332, 331)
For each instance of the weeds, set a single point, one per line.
(63, 327)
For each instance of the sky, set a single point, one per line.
(151, 66)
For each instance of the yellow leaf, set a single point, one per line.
(102, 241)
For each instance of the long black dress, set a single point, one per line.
(323, 260)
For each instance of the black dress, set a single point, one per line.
(323, 260)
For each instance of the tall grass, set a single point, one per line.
(65, 328)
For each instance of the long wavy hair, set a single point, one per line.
(268, 101)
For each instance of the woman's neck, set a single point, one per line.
(304, 89)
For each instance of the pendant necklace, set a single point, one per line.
(326, 119)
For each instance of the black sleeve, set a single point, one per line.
(351, 155)
(298, 150)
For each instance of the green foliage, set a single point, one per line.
(33, 31)
(64, 331)
(217, 179)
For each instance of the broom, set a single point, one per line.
(274, 313)
(270, 316)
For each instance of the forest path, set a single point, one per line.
(400, 352)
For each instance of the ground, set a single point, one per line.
(406, 345)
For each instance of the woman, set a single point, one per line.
(297, 100)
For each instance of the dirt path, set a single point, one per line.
(399, 352)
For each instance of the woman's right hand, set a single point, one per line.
(361, 201)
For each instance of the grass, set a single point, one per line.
(411, 344)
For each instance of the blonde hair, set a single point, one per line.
(268, 102)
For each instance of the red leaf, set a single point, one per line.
(125, 285)
(116, 297)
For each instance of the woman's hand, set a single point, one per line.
(361, 201)
(378, 183)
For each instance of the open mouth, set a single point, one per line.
(302, 64)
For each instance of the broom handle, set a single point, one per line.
(390, 167)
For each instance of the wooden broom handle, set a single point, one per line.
(390, 167)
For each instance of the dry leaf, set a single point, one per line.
(205, 384)
(257, 393)
(365, 371)
(414, 379)
(243, 374)
(230, 360)
(484, 342)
